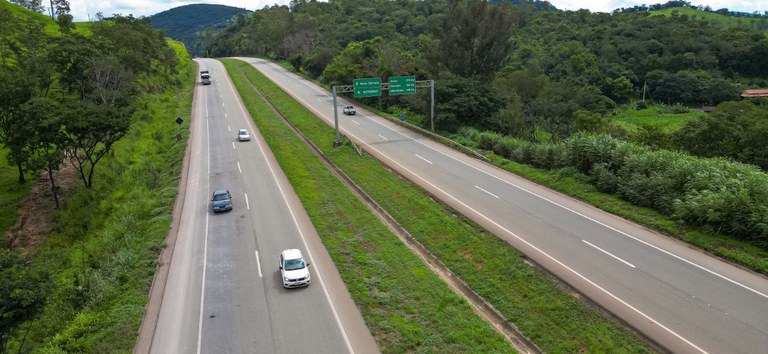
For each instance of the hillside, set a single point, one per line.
(759, 24)
(22, 13)
(188, 24)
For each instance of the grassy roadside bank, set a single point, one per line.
(554, 320)
(11, 192)
(104, 248)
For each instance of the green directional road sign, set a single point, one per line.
(402, 85)
(369, 87)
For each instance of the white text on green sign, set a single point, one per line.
(368, 87)
(402, 85)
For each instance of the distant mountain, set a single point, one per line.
(188, 24)
(529, 4)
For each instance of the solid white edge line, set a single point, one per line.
(247, 205)
(610, 254)
(516, 236)
(205, 243)
(546, 255)
(202, 287)
(427, 161)
(301, 233)
(582, 215)
(258, 263)
(489, 193)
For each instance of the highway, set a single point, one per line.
(224, 292)
(683, 299)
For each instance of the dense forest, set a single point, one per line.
(68, 95)
(544, 77)
(527, 68)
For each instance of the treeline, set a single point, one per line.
(69, 96)
(540, 67)
(539, 77)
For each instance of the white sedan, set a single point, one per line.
(243, 135)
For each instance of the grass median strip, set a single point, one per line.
(554, 320)
(406, 307)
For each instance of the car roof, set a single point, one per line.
(292, 254)
(221, 191)
(243, 130)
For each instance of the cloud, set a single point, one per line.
(83, 10)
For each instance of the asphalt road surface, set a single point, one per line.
(683, 299)
(224, 293)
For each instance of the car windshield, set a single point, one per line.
(293, 264)
(243, 132)
(222, 196)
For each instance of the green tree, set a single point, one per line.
(22, 292)
(590, 122)
(465, 102)
(14, 132)
(735, 129)
(47, 140)
(91, 131)
(473, 38)
(32, 5)
(619, 89)
(71, 54)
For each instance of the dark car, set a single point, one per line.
(221, 201)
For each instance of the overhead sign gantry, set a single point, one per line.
(372, 87)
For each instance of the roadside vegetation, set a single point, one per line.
(387, 281)
(103, 251)
(90, 108)
(11, 192)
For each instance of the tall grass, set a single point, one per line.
(381, 273)
(107, 239)
(717, 204)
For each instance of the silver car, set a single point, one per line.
(243, 135)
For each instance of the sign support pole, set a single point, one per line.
(337, 142)
(432, 105)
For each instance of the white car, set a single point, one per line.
(349, 110)
(243, 135)
(293, 269)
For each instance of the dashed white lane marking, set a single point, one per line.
(427, 161)
(489, 193)
(258, 263)
(610, 254)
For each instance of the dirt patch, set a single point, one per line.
(36, 213)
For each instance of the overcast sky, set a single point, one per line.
(83, 9)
